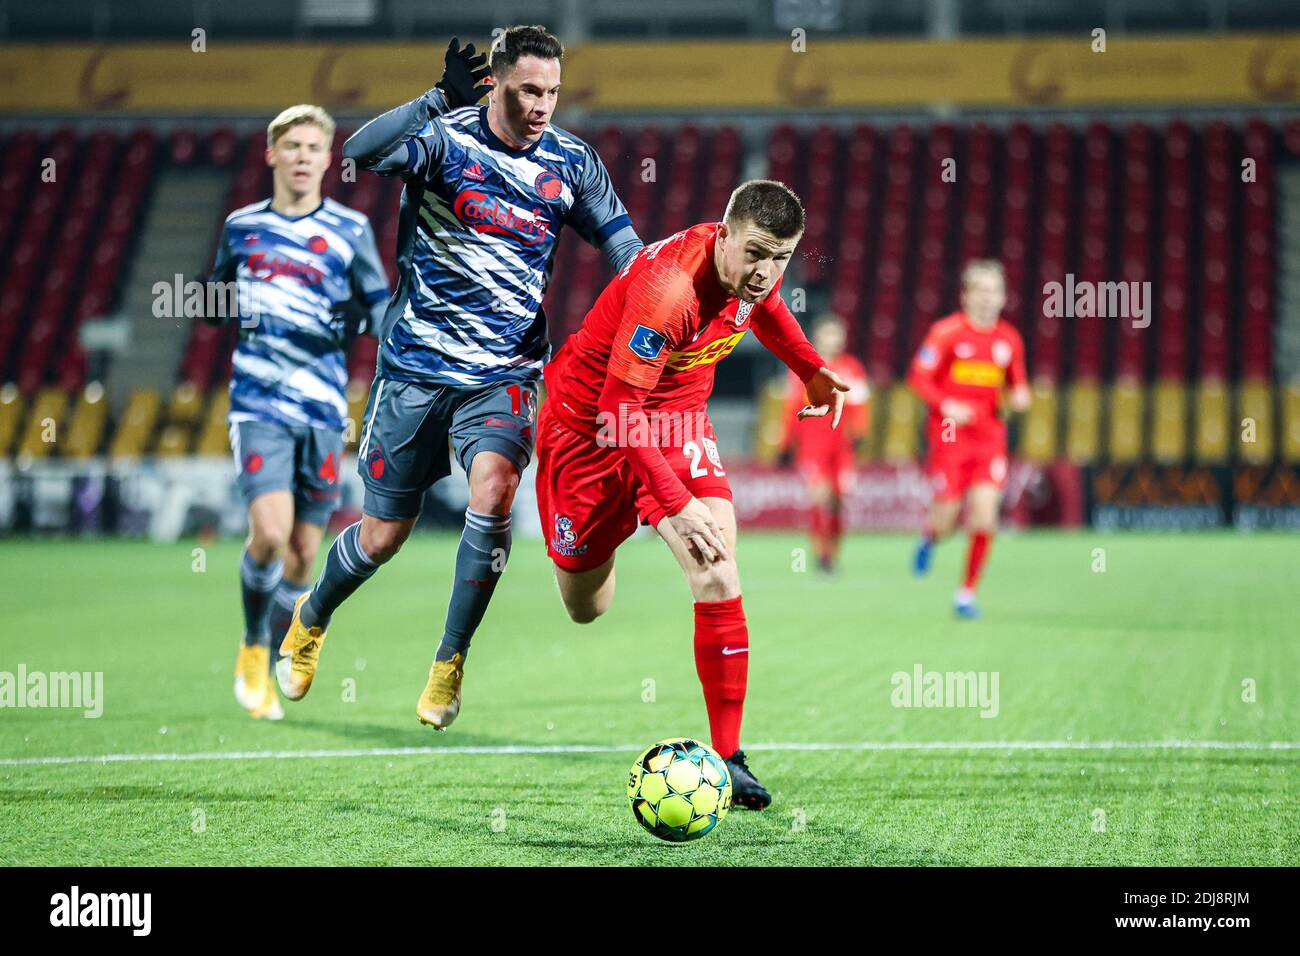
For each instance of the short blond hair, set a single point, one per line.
(297, 116)
(988, 266)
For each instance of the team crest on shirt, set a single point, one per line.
(565, 536)
(1002, 353)
(742, 313)
(548, 185)
(317, 244)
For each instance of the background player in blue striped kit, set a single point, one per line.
(302, 268)
(488, 189)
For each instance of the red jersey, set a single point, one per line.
(813, 437)
(973, 365)
(662, 325)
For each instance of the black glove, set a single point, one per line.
(218, 319)
(348, 320)
(462, 76)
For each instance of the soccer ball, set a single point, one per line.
(679, 789)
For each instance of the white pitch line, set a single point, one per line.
(542, 749)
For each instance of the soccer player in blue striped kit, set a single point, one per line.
(488, 189)
(309, 279)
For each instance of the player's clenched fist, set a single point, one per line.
(699, 529)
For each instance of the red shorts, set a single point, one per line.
(953, 470)
(833, 467)
(590, 500)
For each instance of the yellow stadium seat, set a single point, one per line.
(173, 441)
(1038, 430)
(1290, 438)
(1125, 433)
(1169, 422)
(86, 430)
(1254, 425)
(1083, 424)
(869, 449)
(1212, 411)
(42, 432)
(769, 428)
(357, 394)
(137, 424)
(11, 415)
(214, 438)
(902, 425)
(186, 406)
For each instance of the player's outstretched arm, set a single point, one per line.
(598, 215)
(621, 413)
(779, 332)
(393, 142)
(385, 144)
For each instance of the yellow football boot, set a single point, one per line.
(440, 702)
(299, 655)
(251, 676)
(270, 708)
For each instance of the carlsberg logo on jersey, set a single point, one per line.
(103, 909)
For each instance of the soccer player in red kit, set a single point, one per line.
(961, 371)
(825, 455)
(624, 435)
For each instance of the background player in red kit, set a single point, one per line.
(961, 371)
(824, 455)
(624, 434)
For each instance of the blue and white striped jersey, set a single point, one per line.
(291, 274)
(479, 226)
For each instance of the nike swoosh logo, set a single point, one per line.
(727, 651)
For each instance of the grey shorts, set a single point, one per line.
(296, 458)
(408, 426)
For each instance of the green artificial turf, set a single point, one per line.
(1154, 649)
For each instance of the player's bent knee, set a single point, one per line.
(587, 610)
(493, 490)
(267, 542)
(382, 539)
(716, 582)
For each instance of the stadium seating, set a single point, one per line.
(893, 212)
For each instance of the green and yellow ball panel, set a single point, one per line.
(679, 789)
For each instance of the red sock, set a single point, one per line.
(979, 550)
(722, 662)
(834, 529)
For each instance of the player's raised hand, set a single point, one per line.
(825, 396)
(696, 526)
(463, 74)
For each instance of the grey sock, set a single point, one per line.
(347, 567)
(257, 582)
(480, 559)
(282, 601)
